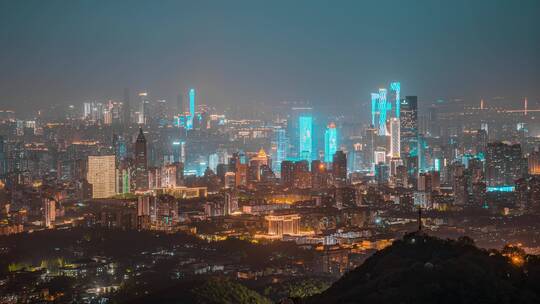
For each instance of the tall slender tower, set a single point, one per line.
(189, 124)
(374, 109)
(305, 123)
(395, 138)
(141, 162)
(395, 91)
(383, 107)
(330, 142)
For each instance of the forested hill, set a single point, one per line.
(424, 269)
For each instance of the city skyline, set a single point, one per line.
(278, 152)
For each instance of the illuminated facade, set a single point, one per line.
(395, 91)
(383, 107)
(179, 151)
(279, 149)
(189, 123)
(395, 138)
(49, 212)
(534, 163)
(305, 147)
(143, 105)
(504, 165)
(141, 162)
(408, 124)
(278, 225)
(374, 109)
(102, 175)
(330, 142)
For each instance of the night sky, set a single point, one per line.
(239, 52)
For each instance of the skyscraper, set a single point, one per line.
(280, 147)
(395, 91)
(102, 175)
(141, 162)
(305, 147)
(374, 109)
(294, 130)
(395, 138)
(409, 124)
(383, 107)
(143, 108)
(287, 173)
(339, 167)
(49, 212)
(330, 142)
(534, 163)
(189, 123)
(504, 165)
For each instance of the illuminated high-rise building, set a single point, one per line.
(408, 124)
(305, 146)
(504, 165)
(383, 107)
(143, 108)
(287, 173)
(179, 151)
(395, 91)
(280, 148)
(49, 212)
(189, 123)
(141, 162)
(379, 156)
(330, 142)
(534, 163)
(395, 138)
(374, 109)
(339, 167)
(101, 175)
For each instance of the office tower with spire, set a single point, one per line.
(141, 162)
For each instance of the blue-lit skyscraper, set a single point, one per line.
(383, 107)
(189, 124)
(330, 142)
(305, 145)
(281, 145)
(395, 91)
(374, 109)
